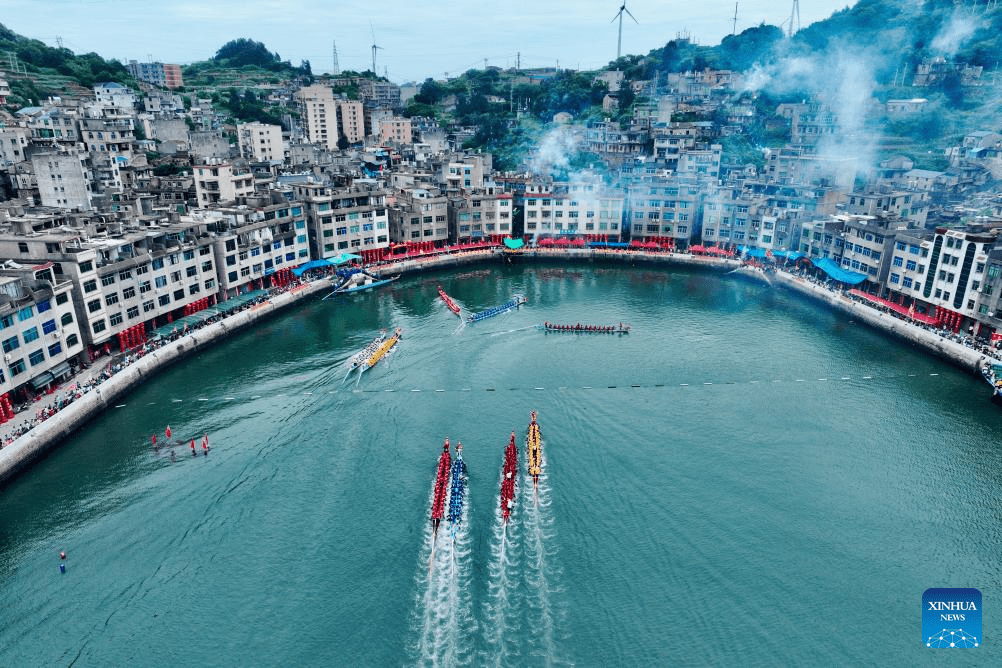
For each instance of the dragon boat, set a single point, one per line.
(578, 328)
(508, 479)
(534, 450)
(513, 303)
(458, 492)
(365, 353)
(381, 351)
(441, 488)
(453, 306)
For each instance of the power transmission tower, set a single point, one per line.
(795, 12)
(734, 28)
(337, 69)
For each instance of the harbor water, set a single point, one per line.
(744, 479)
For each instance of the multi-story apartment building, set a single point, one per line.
(419, 215)
(465, 170)
(573, 209)
(39, 332)
(64, 180)
(221, 182)
(172, 76)
(261, 142)
(662, 206)
(13, 142)
(113, 137)
(910, 204)
(478, 214)
(326, 118)
(250, 243)
(354, 219)
(379, 93)
(124, 274)
(954, 280)
(909, 262)
(395, 130)
(823, 238)
(867, 242)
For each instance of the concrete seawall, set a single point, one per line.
(44, 437)
(38, 441)
(946, 349)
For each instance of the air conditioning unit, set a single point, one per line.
(7, 358)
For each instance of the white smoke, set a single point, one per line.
(555, 151)
(960, 28)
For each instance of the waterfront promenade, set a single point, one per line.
(27, 437)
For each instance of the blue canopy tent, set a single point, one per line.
(513, 244)
(312, 264)
(342, 258)
(830, 267)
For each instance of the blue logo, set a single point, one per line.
(951, 618)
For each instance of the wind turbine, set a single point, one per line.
(374, 47)
(619, 15)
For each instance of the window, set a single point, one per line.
(910, 265)
(158, 263)
(148, 306)
(17, 367)
(48, 326)
(133, 312)
(210, 284)
(62, 298)
(55, 349)
(36, 357)
(116, 319)
(128, 293)
(72, 340)
(179, 294)
(111, 299)
(13, 343)
(164, 300)
(66, 318)
(90, 286)
(27, 313)
(895, 278)
(86, 266)
(207, 265)
(161, 282)
(108, 280)
(99, 326)
(94, 305)
(898, 261)
(142, 269)
(191, 271)
(906, 282)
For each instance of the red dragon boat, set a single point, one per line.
(441, 488)
(453, 306)
(508, 479)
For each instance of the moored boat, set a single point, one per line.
(453, 306)
(513, 303)
(991, 371)
(508, 479)
(441, 488)
(578, 328)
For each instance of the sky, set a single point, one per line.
(418, 38)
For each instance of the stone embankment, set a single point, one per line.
(42, 438)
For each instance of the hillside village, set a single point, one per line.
(125, 208)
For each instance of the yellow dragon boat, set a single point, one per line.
(381, 351)
(533, 446)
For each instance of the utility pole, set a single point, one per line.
(734, 28)
(518, 61)
(59, 42)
